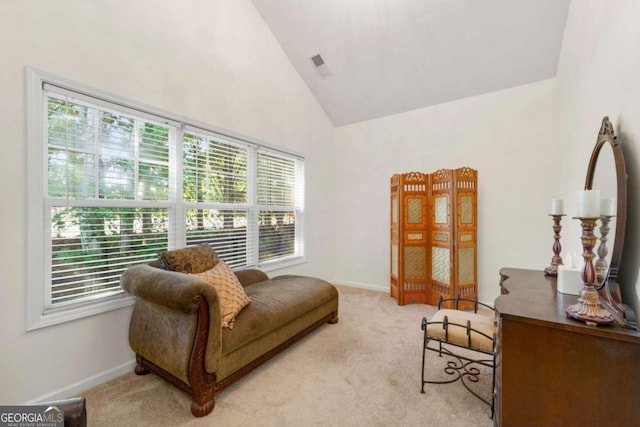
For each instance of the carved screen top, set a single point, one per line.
(466, 173)
(414, 177)
(442, 175)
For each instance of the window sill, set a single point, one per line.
(62, 314)
(280, 264)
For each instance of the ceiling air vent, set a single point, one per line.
(320, 66)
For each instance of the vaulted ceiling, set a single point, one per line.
(389, 56)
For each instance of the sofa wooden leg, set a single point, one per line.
(200, 410)
(140, 369)
(333, 320)
(203, 400)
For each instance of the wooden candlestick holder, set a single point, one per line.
(588, 307)
(556, 260)
(601, 264)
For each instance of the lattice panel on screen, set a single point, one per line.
(394, 209)
(466, 237)
(441, 237)
(414, 210)
(394, 260)
(414, 262)
(466, 266)
(441, 264)
(440, 210)
(466, 209)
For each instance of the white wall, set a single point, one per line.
(598, 75)
(212, 60)
(507, 136)
(529, 144)
(215, 61)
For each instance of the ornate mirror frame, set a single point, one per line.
(610, 295)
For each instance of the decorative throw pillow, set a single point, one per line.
(230, 292)
(192, 259)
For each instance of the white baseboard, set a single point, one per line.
(361, 285)
(77, 388)
(377, 288)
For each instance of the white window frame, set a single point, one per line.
(39, 235)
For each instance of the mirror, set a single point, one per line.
(604, 179)
(607, 172)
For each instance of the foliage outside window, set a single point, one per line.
(97, 159)
(123, 185)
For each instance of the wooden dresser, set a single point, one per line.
(554, 371)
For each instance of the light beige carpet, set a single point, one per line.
(363, 371)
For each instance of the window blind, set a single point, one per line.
(279, 199)
(105, 170)
(214, 170)
(215, 185)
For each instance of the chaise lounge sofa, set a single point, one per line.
(177, 331)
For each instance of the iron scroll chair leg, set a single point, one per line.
(424, 350)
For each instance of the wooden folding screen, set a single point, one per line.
(409, 224)
(453, 222)
(446, 242)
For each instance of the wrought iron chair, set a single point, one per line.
(451, 328)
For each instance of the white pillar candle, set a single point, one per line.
(589, 204)
(557, 207)
(608, 207)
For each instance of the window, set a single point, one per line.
(215, 193)
(277, 180)
(113, 183)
